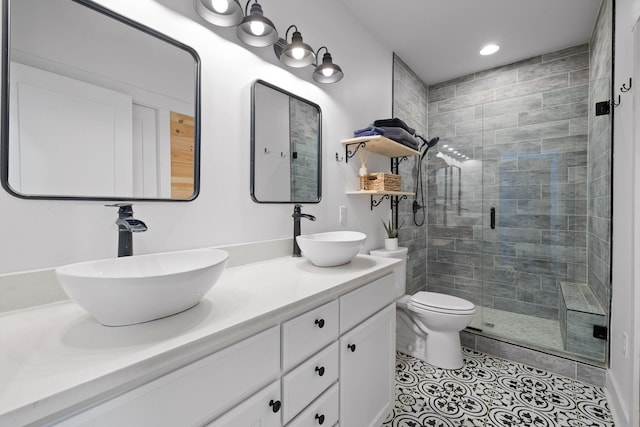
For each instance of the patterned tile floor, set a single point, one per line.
(489, 391)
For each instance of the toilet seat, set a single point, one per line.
(441, 303)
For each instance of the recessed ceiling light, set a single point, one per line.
(489, 49)
(450, 148)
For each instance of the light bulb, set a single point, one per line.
(297, 52)
(489, 49)
(220, 6)
(327, 72)
(257, 28)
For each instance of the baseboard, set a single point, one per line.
(619, 411)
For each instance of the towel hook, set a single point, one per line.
(338, 158)
(266, 151)
(614, 102)
(624, 87)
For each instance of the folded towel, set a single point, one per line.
(400, 135)
(395, 122)
(368, 131)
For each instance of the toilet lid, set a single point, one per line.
(439, 301)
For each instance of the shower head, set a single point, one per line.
(427, 144)
(433, 141)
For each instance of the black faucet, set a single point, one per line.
(297, 214)
(127, 225)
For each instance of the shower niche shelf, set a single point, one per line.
(384, 146)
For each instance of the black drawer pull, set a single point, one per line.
(320, 370)
(352, 347)
(320, 323)
(320, 419)
(275, 405)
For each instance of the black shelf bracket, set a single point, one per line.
(349, 154)
(395, 201)
(375, 202)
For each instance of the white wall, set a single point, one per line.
(623, 375)
(41, 234)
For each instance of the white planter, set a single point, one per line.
(391, 244)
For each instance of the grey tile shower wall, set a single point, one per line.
(303, 120)
(410, 104)
(524, 128)
(599, 170)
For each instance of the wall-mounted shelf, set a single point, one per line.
(394, 196)
(377, 144)
(380, 145)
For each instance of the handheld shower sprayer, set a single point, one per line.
(427, 144)
(419, 187)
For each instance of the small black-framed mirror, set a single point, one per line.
(96, 106)
(286, 146)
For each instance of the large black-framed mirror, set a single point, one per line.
(286, 146)
(96, 106)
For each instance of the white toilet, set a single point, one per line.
(428, 324)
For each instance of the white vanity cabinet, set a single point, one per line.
(333, 363)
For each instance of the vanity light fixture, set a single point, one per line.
(296, 54)
(489, 49)
(223, 13)
(327, 72)
(255, 29)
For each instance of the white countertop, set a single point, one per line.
(55, 356)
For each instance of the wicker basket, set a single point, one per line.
(382, 182)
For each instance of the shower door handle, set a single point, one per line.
(493, 218)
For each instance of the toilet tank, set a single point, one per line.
(400, 272)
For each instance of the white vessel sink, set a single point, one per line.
(136, 289)
(331, 248)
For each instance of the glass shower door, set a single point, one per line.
(545, 221)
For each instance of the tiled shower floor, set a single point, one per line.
(519, 327)
(489, 391)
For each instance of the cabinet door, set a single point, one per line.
(260, 410)
(367, 361)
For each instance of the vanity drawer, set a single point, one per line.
(258, 410)
(302, 385)
(195, 393)
(324, 411)
(308, 333)
(358, 305)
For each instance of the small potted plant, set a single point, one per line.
(391, 242)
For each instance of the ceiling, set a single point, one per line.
(441, 39)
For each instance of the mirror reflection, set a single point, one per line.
(99, 107)
(285, 147)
